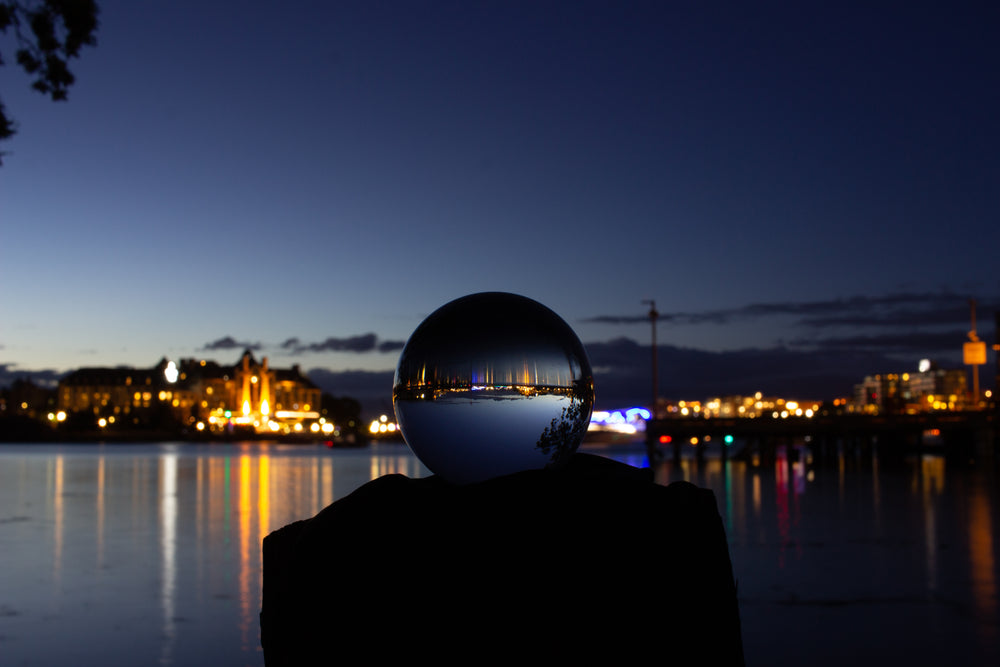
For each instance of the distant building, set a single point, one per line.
(930, 388)
(201, 393)
(27, 399)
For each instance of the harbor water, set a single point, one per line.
(149, 554)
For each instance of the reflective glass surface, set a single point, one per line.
(491, 384)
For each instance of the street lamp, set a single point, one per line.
(652, 320)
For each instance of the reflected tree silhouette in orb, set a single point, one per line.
(563, 435)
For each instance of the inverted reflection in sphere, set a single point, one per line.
(492, 384)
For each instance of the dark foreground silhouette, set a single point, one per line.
(593, 563)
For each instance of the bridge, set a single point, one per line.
(968, 435)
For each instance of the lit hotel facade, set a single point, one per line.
(197, 393)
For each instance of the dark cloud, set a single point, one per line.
(391, 345)
(359, 344)
(931, 342)
(902, 311)
(230, 343)
(912, 307)
(363, 343)
(43, 378)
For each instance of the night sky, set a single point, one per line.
(809, 191)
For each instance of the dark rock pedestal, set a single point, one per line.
(593, 563)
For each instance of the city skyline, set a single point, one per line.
(623, 373)
(808, 194)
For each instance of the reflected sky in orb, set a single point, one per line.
(491, 384)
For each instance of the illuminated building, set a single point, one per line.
(195, 392)
(930, 388)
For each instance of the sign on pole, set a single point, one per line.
(974, 353)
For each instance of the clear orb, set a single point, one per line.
(492, 384)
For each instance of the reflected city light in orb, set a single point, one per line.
(492, 384)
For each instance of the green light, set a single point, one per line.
(728, 439)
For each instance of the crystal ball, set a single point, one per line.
(491, 384)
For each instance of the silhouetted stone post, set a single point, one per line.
(546, 565)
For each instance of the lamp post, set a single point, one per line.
(656, 389)
(974, 353)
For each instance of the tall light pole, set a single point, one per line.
(974, 353)
(656, 388)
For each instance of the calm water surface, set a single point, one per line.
(150, 554)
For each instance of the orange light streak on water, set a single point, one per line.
(244, 509)
(983, 563)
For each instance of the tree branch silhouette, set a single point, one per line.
(48, 33)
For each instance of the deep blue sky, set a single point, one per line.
(791, 182)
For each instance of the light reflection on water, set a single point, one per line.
(150, 554)
(864, 561)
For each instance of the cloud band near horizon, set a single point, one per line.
(359, 344)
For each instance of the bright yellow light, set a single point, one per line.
(314, 427)
(254, 379)
(373, 428)
(102, 422)
(265, 409)
(273, 425)
(791, 405)
(758, 396)
(693, 440)
(809, 413)
(61, 416)
(200, 426)
(246, 408)
(298, 428)
(328, 428)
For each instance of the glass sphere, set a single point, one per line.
(492, 384)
